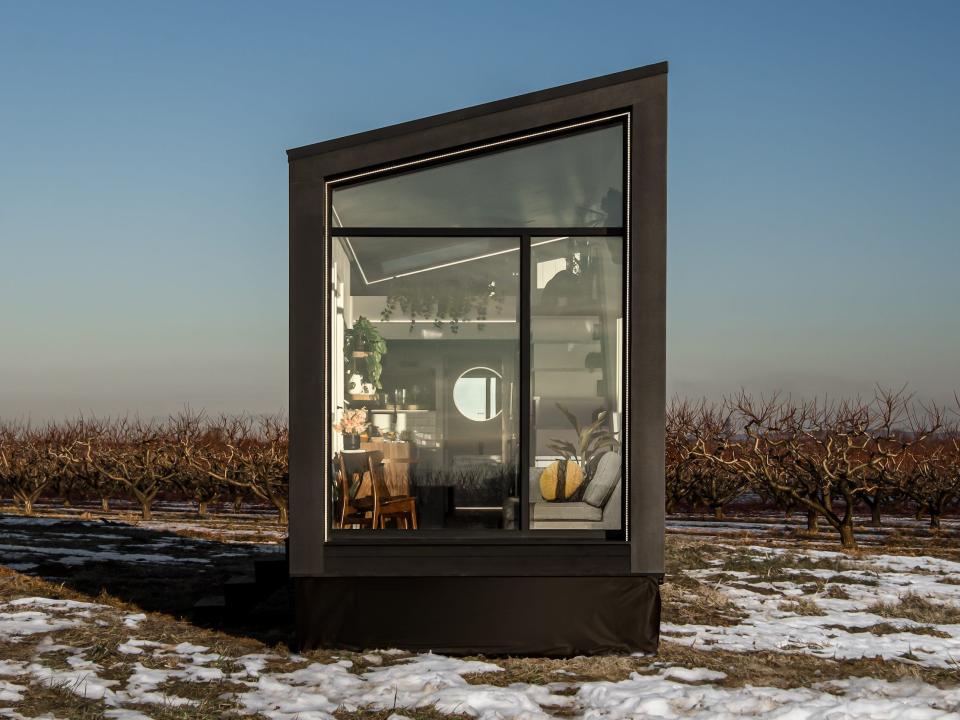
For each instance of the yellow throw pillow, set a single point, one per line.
(560, 481)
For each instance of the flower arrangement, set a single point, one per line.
(352, 422)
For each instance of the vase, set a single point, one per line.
(351, 441)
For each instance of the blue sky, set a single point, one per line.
(814, 182)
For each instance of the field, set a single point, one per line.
(758, 621)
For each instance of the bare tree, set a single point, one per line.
(928, 472)
(23, 464)
(194, 441)
(140, 456)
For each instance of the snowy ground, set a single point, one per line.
(750, 630)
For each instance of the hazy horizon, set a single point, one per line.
(814, 183)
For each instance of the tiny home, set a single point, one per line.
(477, 353)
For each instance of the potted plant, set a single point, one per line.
(592, 442)
(364, 349)
(351, 424)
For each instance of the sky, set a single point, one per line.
(814, 182)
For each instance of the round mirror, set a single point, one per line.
(476, 393)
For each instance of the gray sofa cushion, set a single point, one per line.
(566, 511)
(604, 480)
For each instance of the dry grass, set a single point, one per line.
(688, 601)
(836, 592)
(426, 713)
(852, 580)
(889, 629)
(761, 668)
(801, 606)
(779, 565)
(917, 608)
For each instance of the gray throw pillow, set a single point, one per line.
(604, 480)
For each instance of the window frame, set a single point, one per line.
(523, 533)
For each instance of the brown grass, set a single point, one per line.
(917, 608)
(760, 668)
(889, 629)
(836, 592)
(801, 606)
(687, 601)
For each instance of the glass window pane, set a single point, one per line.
(425, 354)
(576, 369)
(570, 181)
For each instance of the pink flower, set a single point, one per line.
(352, 422)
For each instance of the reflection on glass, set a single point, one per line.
(567, 181)
(477, 394)
(426, 340)
(576, 351)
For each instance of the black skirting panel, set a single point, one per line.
(543, 616)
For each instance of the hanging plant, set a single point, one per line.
(364, 343)
(446, 302)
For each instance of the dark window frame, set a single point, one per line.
(525, 235)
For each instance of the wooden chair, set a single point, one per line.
(362, 512)
(399, 508)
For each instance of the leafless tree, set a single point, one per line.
(26, 466)
(139, 455)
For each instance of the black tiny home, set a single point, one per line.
(477, 353)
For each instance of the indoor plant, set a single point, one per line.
(364, 349)
(445, 301)
(592, 442)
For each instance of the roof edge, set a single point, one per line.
(389, 131)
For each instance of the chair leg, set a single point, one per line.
(413, 516)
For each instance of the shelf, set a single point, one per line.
(385, 411)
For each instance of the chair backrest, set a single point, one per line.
(378, 480)
(352, 468)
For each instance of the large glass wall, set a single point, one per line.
(476, 362)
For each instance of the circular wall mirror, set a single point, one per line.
(476, 393)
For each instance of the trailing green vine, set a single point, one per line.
(453, 302)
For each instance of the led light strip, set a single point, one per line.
(625, 436)
(442, 265)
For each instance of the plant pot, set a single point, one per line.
(351, 442)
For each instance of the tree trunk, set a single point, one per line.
(875, 513)
(146, 510)
(27, 503)
(718, 512)
(281, 513)
(105, 504)
(201, 507)
(813, 522)
(237, 503)
(934, 519)
(847, 540)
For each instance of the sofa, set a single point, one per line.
(599, 508)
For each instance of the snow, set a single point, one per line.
(832, 635)
(134, 620)
(77, 556)
(315, 690)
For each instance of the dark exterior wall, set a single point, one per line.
(643, 92)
